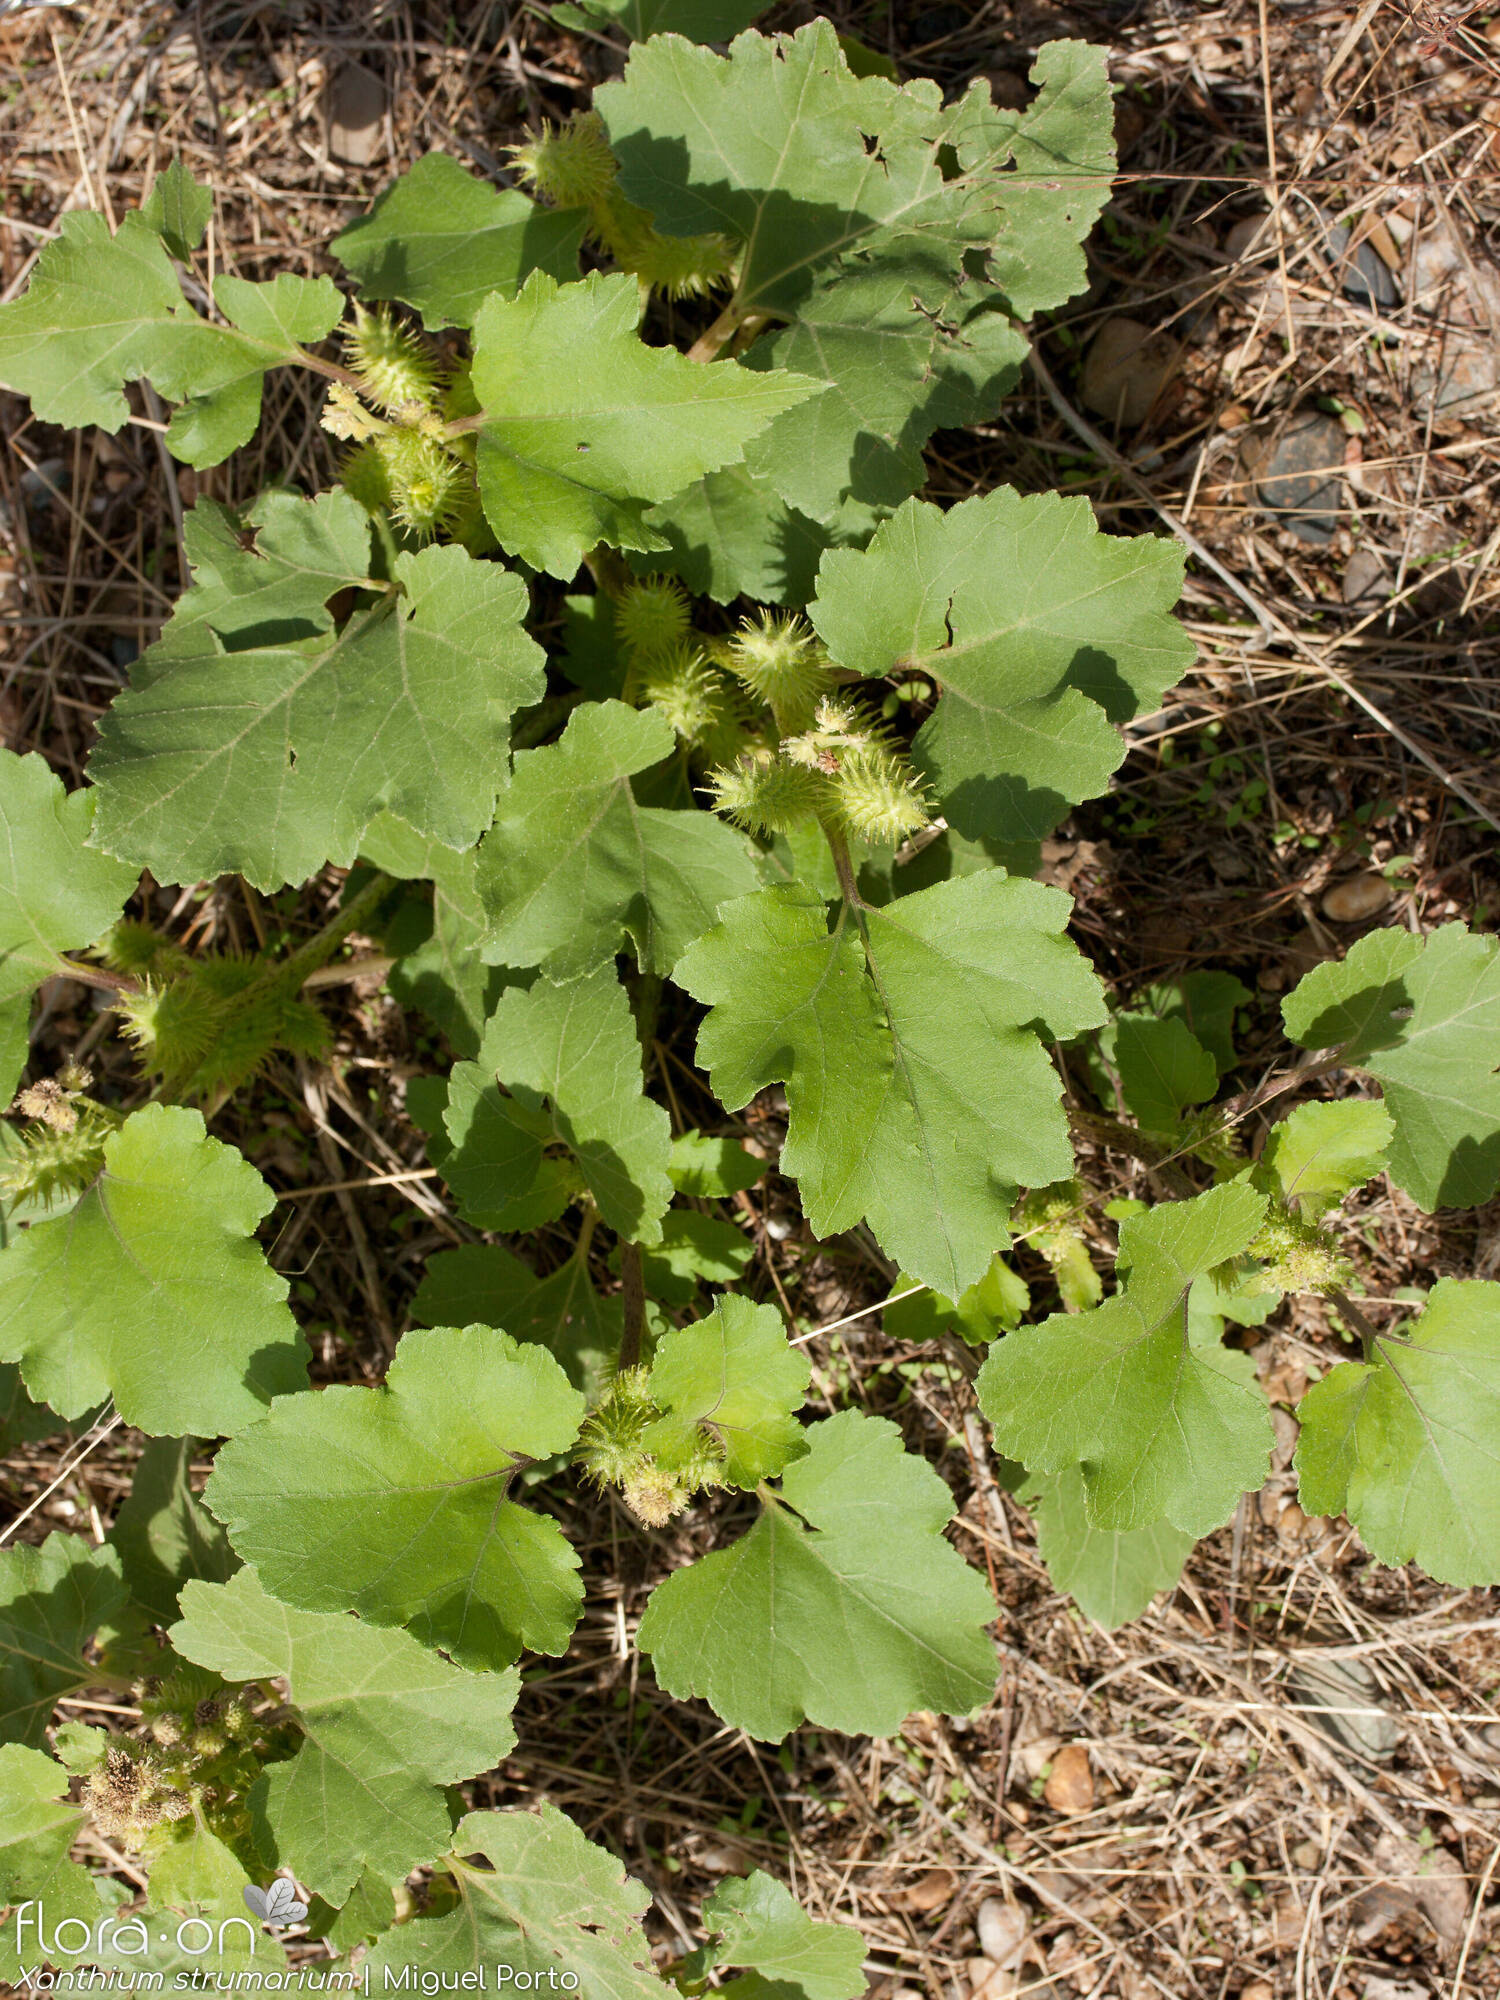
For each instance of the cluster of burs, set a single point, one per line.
(404, 409)
(199, 1751)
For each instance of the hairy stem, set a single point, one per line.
(1367, 1330)
(708, 344)
(633, 1294)
(843, 863)
(100, 976)
(1121, 1138)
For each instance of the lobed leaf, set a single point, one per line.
(763, 1926)
(104, 310)
(919, 1093)
(583, 426)
(442, 240)
(561, 1312)
(550, 1902)
(734, 1377)
(38, 1825)
(53, 1599)
(395, 1502)
(1059, 156)
(1407, 1442)
(1112, 1574)
(780, 147)
(573, 864)
(256, 738)
(1041, 632)
(163, 1532)
(56, 894)
(570, 1062)
(1422, 1016)
(1162, 1427)
(1322, 1152)
(843, 1606)
(386, 1724)
(153, 1290)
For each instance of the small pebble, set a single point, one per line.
(1355, 898)
(1070, 1788)
(1002, 1928)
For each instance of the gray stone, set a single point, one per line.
(1365, 580)
(1125, 370)
(1298, 474)
(1346, 1700)
(356, 115)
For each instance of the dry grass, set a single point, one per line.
(1232, 1845)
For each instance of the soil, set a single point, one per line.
(1286, 359)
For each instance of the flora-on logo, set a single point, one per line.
(277, 1905)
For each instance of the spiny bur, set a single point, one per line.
(395, 365)
(652, 617)
(877, 798)
(763, 793)
(780, 659)
(569, 165)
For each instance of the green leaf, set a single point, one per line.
(1323, 1151)
(780, 147)
(584, 425)
(52, 1601)
(1163, 1429)
(1163, 1069)
(905, 353)
(698, 20)
(561, 1312)
(163, 1533)
(574, 864)
(56, 895)
(735, 1378)
(571, 1062)
(153, 1290)
(193, 1873)
(549, 1903)
(850, 1621)
(444, 975)
(1041, 632)
(1207, 1003)
(1408, 1443)
(919, 1093)
(1060, 152)
(694, 1246)
(257, 739)
(387, 1724)
(491, 1149)
(104, 310)
(22, 1420)
(178, 208)
(731, 535)
(395, 1502)
(38, 1825)
(441, 240)
(710, 1167)
(999, 1301)
(15, 1041)
(762, 1925)
(1112, 1574)
(1422, 1016)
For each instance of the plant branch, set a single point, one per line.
(843, 863)
(100, 976)
(633, 1290)
(708, 344)
(1158, 1157)
(1367, 1330)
